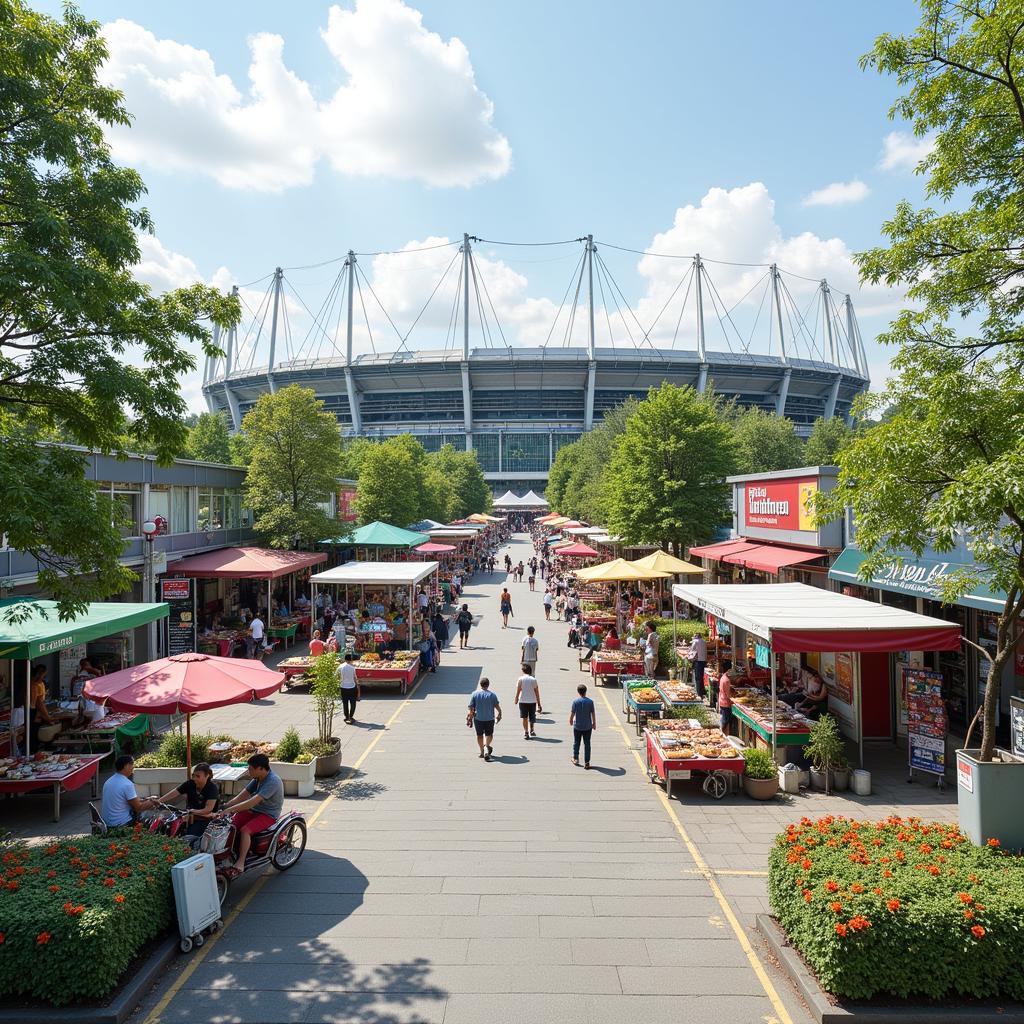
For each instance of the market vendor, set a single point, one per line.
(725, 682)
(591, 640)
(201, 794)
(812, 701)
(44, 728)
(612, 641)
(316, 645)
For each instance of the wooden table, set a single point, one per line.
(64, 782)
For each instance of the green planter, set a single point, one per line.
(990, 798)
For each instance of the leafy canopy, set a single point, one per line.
(827, 439)
(294, 462)
(391, 484)
(766, 442)
(208, 440)
(86, 351)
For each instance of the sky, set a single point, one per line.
(284, 135)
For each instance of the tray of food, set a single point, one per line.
(645, 698)
(675, 693)
(42, 766)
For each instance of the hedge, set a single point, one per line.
(900, 907)
(685, 631)
(75, 913)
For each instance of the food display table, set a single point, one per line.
(59, 772)
(295, 669)
(285, 631)
(221, 643)
(676, 694)
(113, 728)
(640, 700)
(752, 713)
(603, 619)
(388, 671)
(676, 750)
(616, 664)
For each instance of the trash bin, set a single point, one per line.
(860, 782)
(789, 778)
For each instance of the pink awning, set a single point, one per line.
(245, 563)
(430, 548)
(576, 551)
(718, 551)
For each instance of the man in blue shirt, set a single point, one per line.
(583, 719)
(121, 804)
(484, 712)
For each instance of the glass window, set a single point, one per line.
(160, 506)
(205, 501)
(217, 507)
(486, 448)
(526, 453)
(181, 510)
(131, 505)
(231, 509)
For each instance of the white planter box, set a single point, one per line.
(154, 781)
(298, 779)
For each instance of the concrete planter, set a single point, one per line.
(154, 781)
(840, 779)
(818, 780)
(990, 798)
(761, 789)
(298, 779)
(329, 766)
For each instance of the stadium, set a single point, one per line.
(787, 344)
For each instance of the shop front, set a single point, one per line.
(776, 538)
(915, 584)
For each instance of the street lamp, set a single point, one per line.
(149, 532)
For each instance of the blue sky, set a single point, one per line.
(606, 118)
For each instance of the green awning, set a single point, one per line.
(918, 577)
(380, 535)
(41, 631)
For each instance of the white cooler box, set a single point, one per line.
(195, 898)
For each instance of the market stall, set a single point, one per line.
(793, 618)
(380, 542)
(677, 748)
(612, 573)
(230, 583)
(60, 773)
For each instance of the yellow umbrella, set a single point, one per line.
(618, 569)
(666, 563)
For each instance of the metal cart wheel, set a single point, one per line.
(715, 785)
(200, 939)
(185, 945)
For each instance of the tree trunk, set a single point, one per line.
(993, 684)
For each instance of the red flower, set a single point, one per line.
(108, 882)
(977, 931)
(964, 897)
(807, 897)
(877, 892)
(859, 923)
(968, 915)
(72, 849)
(43, 938)
(933, 870)
(832, 886)
(12, 886)
(841, 930)
(2, 938)
(54, 888)
(805, 864)
(979, 906)
(51, 874)
(836, 908)
(51, 849)
(119, 898)
(857, 888)
(990, 842)
(893, 906)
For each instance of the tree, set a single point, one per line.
(294, 461)
(566, 459)
(960, 74)
(352, 451)
(455, 485)
(85, 349)
(209, 440)
(949, 463)
(766, 442)
(391, 485)
(828, 438)
(666, 482)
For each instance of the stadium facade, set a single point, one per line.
(517, 406)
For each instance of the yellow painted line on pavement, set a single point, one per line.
(165, 1001)
(709, 876)
(730, 872)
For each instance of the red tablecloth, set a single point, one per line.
(390, 673)
(600, 667)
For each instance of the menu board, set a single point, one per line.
(181, 618)
(926, 720)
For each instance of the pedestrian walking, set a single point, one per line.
(530, 648)
(699, 657)
(725, 696)
(533, 579)
(543, 568)
(439, 627)
(505, 604)
(583, 719)
(349, 688)
(651, 651)
(484, 713)
(528, 699)
(548, 602)
(464, 620)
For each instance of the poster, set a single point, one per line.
(181, 620)
(843, 684)
(926, 720)
(69, 659)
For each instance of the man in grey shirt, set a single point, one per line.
(257, 807)
(484, 711)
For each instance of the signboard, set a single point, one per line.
(926, 720)
(179, 595)
(68, 662)
(781, 504)
(1017, 726)
(346, 505)
(842, 684)
(762, 655)
(965, 775)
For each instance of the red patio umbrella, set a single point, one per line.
(185, 683)
(430, 548)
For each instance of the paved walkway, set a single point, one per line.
(440, 888)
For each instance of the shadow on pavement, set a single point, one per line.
(545, 739)
(508, 759)
(607, 771)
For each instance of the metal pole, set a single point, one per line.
(698, 268)
(778, 310)
(410, 616)
(775, 710)
(229, 362)
(590, 292)
(860, 716)
(28, 707)
(278, 278)
(827, 307)
(350, 263)
(465, 296)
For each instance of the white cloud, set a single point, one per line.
(903, 151)
(838, 194)
(410, 108)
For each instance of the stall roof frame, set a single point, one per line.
(245, 563)
(376, 574)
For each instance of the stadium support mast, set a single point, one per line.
(702, 352)
(350, 384)
(278, 280)
(826, 303)
(787, 375)
(860, 358)
(588, 411)
(229, 359)
(467, 396)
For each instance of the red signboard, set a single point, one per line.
(346, 509)
(781, 504)
(175, 590)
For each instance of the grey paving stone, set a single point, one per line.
(518, 951)
(610, 951)
(682, 981)
(685, 953)
(484, 926)
(331, 949)
(626, 928)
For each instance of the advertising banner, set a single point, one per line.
(926, 720)
(181, 621)
(781, 505)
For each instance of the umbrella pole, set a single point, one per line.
(188, 743)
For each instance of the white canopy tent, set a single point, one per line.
(796, 618)
(514, 501)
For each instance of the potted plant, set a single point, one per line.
(841, 774)
(294, 766)
(156, 771)
(825, 750)
(760, 774)
(325, 691)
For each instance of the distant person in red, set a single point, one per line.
(612, 641)
(316, 645)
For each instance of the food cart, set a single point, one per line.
(606, 665)
(676, 749)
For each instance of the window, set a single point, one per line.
(181, 510)
(129, 497)
(160, 505)
(220, 508)
(526, 453)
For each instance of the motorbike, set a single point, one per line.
(165, 819)
(281, 846)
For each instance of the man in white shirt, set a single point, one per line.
(651, 651)
(531, 648)
(257, 632)
(349, 688)
(528, 699)
(699, 657)
(548, 602)
(422, 601)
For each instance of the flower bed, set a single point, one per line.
(900, 907)
(75, 913)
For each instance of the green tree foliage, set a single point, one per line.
(455, 485)
(828, 438)
(960, 77)
(208, 440)
(391, 484)
(352, 451)
(766, 442)
(294, 462)
(85, 349)
(666, 481)
(566, 459)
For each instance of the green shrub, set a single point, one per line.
(325, 692)
(147, 761)
(318, 748)
(685, 631)
(698, 712)
(759, 764)
(304, 758)
(900, 907)
(171, 752)
(74, 914)
(290, 746)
